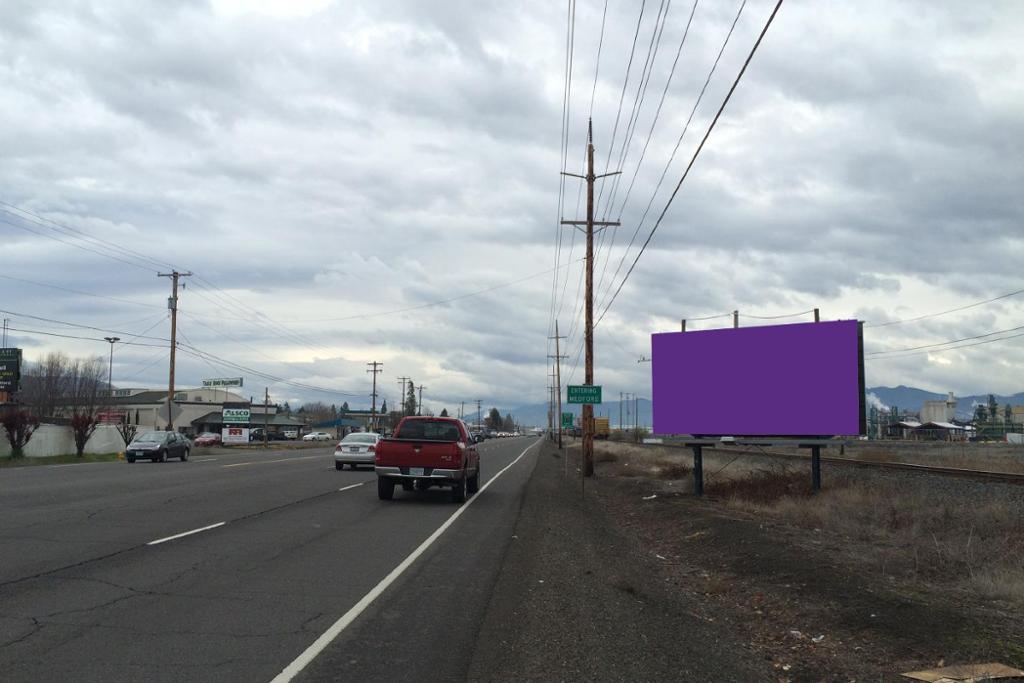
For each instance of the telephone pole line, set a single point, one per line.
(402, 381)
(558, 380)
(478, 403)
(376, 368)
(588, 335)
(172, 304)
(266, 413)
(419, 407)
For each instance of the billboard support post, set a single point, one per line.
(698, 470)
(816, 468)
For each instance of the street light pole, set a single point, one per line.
(110, 368)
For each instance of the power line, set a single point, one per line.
(72, 336)
(675, 150)
(693, 160)
(776, 317)
(952, 310)
(84, 327)
(647, 142)
(951, 341)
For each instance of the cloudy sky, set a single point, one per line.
(331, 170)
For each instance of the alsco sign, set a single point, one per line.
(236, 416)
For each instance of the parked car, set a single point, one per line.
(257, 435)
(291, 433)
(355, 450)
(158, 446)
(208, 439)
(425, 452)
(317, 436)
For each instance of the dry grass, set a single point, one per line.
(994, 457)
(908, 528)
(944, 532)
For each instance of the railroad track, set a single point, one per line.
(983, 475)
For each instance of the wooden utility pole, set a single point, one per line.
(376, 367)
(558, 381)
(266, 413)
(588, 334)
(478, 408)
(419, 406)
(172, 304)
(403, 380)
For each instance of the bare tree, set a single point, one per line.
(18, 425)
(85, 396)
(44, 385)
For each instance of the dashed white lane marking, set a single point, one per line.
(264, 462)
(346, 488)
(187, 533)
(321, 643)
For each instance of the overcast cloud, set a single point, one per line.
(321, 160)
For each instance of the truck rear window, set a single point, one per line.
(428, 430)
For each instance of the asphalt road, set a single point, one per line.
(96, 584)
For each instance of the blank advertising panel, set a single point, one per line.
(780, 380)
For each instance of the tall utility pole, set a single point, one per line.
(266, 412)
(376, 367)
(558, 381)
(478, 403)
(419, 407)
(172, 304)
(6, 320)
(462, 411)
(588, 334)
(402, 381)
(620, 412)
(110, 368)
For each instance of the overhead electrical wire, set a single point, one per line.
(943, 350)
(951, 310)
(675, 150)
(647, 142)
(80, 326)
(693, 160)
(72, 336)
(938, 344)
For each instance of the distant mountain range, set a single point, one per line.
(903, 397)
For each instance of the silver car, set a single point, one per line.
(359, 448)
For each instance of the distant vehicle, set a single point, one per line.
(602, 427)
(317, 436)
(356, 449)
(537, 431)
(291, 433)
(425, 452)
(257, 435)
(477, 437)
(208, 439)
(158, 446)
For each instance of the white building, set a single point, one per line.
(939, 411)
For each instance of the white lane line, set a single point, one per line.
(346, 488)
(321, 643)
(263, 462)
(202, 459)
(187, 533)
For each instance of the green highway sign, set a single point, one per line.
(567, 420)
(584, 393)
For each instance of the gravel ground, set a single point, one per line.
(575, 602)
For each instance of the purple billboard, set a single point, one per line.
(780, 380)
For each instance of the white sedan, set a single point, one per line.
(317, 436)
(356, 449)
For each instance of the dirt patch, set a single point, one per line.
(879, 573)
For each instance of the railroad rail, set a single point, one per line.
(982, 475)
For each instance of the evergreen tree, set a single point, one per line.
(384, 407)
(444, 412)
(494, 420)
(410, 399)
(344, 407)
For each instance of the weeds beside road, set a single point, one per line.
(895, 569)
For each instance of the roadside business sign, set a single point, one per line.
(10, 369)
(567, 420)
(234, 435)
(585, 393)
(223, 382)
(236, 416)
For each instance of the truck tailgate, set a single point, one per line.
(411, 453)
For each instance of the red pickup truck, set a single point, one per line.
(425, 452)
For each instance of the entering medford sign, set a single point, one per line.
(584, 393)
